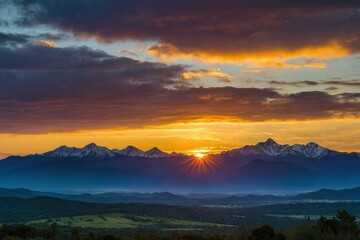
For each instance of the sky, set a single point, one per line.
(181, 75)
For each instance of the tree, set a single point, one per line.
(75, 234)
(90, 236)
(279, 236)
(242, 233)
(265, 232)
(301, 232)
(325, 225)
(347, 222)
(343, 225)
(53, 230)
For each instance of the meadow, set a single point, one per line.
(123, 221)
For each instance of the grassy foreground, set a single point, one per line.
(118, 220)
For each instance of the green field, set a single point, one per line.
(118, 220)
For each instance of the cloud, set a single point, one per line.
(18, 40)
(53, 37)
(312, 63)
(217, 73)
(251, 71)
(46, 89)
(278, 58)
(256, 33)
(78, 63)
(12, 39)
(350, 83)
(46, 43)
(331, 89)
(296, 83)
(127, 52)
(92, 103)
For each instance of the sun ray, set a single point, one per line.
(200, 163)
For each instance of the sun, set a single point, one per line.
(200, 162)
(200, 155)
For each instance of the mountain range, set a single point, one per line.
(93, 150)
(269, 148)
(264, 167)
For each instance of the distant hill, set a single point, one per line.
(109, 197)
(22, 193)
(329, 194)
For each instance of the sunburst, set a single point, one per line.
(200, 155)
(200, 163)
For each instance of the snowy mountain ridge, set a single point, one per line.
(93, 150)
(268, 148)
(271, 148)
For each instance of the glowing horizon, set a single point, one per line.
(192, 138)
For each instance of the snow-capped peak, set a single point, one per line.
(89, 150)
(93, 150)
(311, 150)
(271, 148)
(155, 152)
(130, 151)
(63, 151)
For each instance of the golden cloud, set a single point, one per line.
(46, 43)
(217, 73)
(277, 58)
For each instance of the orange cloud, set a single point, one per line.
(314, 64)
(278, 58)
(46, 43)
(254, 33)
(217, 73)
(136, 93)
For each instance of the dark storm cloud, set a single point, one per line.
(90, 104)
(346, 83)
(53, 37)
(353, 83)
(63, 89)
(13, 39)
(298, 83)
(43, 57)
(215, 27)
(16, 39)
(31, 68)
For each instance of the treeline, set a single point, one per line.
(342, 227)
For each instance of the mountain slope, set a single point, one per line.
(272, 175)
(273, 149)
(94, 151)
(329, 194)
(90, 150)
